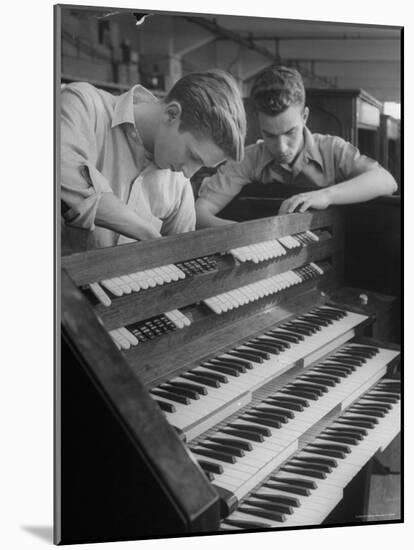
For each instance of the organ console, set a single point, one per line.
(214, 381)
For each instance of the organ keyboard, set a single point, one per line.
(209, 369)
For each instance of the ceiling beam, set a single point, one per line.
(248, 43)
(261, 37)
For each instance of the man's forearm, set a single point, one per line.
(369, 185)
(205, 218)
(115, 215)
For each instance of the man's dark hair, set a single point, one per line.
(276, 89)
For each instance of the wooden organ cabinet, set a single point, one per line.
(390, 146)
(352, 114)
(213, 381)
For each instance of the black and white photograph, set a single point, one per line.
(228, 274)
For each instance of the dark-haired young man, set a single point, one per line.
(290, 154)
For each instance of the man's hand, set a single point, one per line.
(319, 200)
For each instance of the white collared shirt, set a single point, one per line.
(102, 152)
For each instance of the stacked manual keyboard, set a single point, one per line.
(308, 486)
(281, 413)
(202, 396)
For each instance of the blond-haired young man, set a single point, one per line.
(113, 146)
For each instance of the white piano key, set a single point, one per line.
(131, 282)
(128, 336)
(112, 287)
(100, 294)
(120, 339)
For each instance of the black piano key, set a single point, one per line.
(344, 431)
(334, 317)
(282, 338)
(313, 327)
(310, 465)
(303, 471)
(201, 389)
(329, 462)
(294, 481)
(245, 445)
(331, 363)
(202, 379)
(243, 434)
(326, 315)
(226, 363)
(375, 406)
(278, 344)
(296, 330)
(323, 375)
(255, 350)
(223, 369)
(215, 376)
(252, 428)
(294, 403)
(325, 450)
(171, 396)
(262, 346)
(302, 385)
(359, 418)
(244, 524)
(367, 423)
(220, 447)
(334, 310)
(372, 349)
(384, 399)
(180, 390)
(167, 407)
(270, 412)
(245, 354)
(287, 335)
(267, 514)
(284, 406)
(333, 446)
(301, 238)
(285, 414)
(292, 489)
(281, 499)
(386, 393)
(347, 440)
(212, 467)
(352, 352)
(345, 360)
(342, 362)
(213, 454)
(237, 361)
(319, 379)
(300, 393)
(264, 420)
(313, 384)
(331, 370)
(323, 322)
(355, 429)
(257, 502)
(367, 412)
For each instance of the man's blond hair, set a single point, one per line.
(212, 107)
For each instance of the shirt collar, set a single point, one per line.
(310, 151)
(124, 106)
